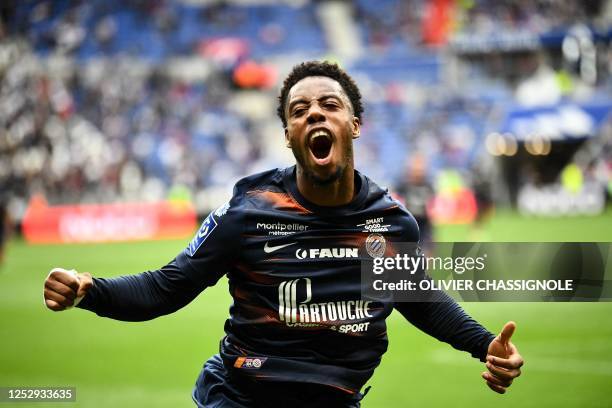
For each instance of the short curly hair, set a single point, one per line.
(319, 68)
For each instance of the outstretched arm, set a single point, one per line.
(141, 297)
(154, 293)
(441, 317)
(130, 298)
(445, 320)
(438, 315)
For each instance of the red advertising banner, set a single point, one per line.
(107, 222)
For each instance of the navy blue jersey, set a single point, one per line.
(294, 275)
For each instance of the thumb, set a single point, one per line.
(85, 283)
(507, 332)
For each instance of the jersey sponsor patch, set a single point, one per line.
(374, 225)
(204, 232)
(250, 362)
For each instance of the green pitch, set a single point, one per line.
(567, 347)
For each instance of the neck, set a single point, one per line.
(339, 192)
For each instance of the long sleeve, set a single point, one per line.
(142, 297)
(156, 293)
(438, 315)
(444, 319)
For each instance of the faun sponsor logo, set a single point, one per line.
(374, 225)
(327, 253)
(296, 309)
(279, 228)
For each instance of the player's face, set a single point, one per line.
(321, 128)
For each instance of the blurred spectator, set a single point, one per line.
(483, 193)
(417, 192)
(114, 100)
(5, 228)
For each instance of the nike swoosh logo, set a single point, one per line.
(269, 249)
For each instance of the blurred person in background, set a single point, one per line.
(483, 194)
(287, 237)
(5, 228)
(416, 192)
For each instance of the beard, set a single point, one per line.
(316, 180)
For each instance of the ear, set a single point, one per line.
(356, 127)
(287, 140)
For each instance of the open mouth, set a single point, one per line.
(320, 144)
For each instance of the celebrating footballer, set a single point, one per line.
(291, 242)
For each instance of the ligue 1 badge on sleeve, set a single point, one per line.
(375, 245)
(204, 232)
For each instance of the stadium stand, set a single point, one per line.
(106, 101)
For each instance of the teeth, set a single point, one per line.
(320, 133)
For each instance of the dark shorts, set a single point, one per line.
(215, 388)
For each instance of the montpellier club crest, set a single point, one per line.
(375, 245)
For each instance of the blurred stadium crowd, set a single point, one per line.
(133, 100)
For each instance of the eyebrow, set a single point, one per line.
(322, 98)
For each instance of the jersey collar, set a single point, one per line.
(361, 185)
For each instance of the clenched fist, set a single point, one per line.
(64, 289)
